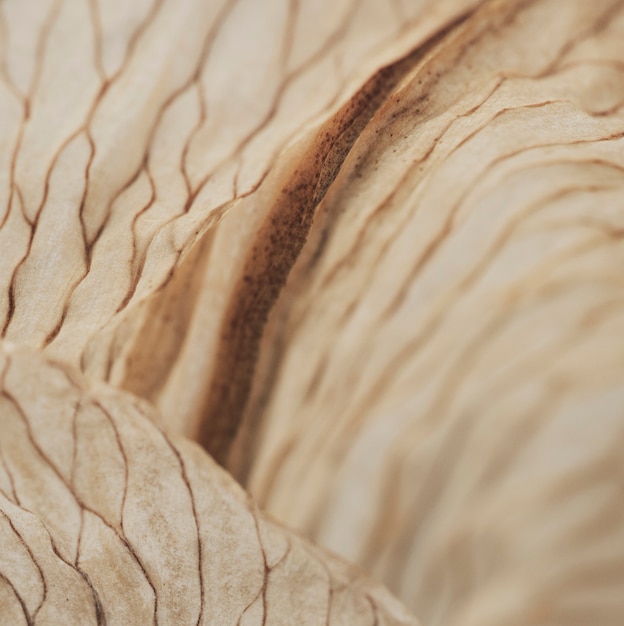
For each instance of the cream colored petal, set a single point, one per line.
(129, 128)
(154, 532)
(440, 394)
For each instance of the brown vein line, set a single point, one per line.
(187, 483)
(79, 540)
(27, 616)
(104, 87)
(613, 64)
(78, 500)
(41, 45)
(249, 605)
(213, 218)
(33, 559)
(9, 476)
(600, 23)
(350, 431)
(185, 150)
(72, 474)
(330, 604)
(138, 260)
(286, 50)
(553, 68)
(427, 333)
(501, 460)
(196, 80)
(324, 48)
(459, 433)
(565, 487)
(99, 609)
(284, 556)
(170, 100)
(5, 366)
(100, 614)
(278, 243)
(565, 284)
(610, 111)
(272, 112)
(280, 340)
(438, 473)
(67, 372)
(22, 204)
(169, 277)
(138, 33)
(267, 570)
(224, 206)
(97, 604)
(87, 260)
(413, 169)
(61, 558)
(137, 263)
(39, 54)
(262, 589)
(132, 44)
(588, 222)
(111, 353)
(34, 225)
(123, 538)
(373, 607)
(438, 240)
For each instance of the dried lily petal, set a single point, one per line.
(106, 519)
(437, 394)
(440, 393)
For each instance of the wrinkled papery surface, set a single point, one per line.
(434, 391)
(441, 391)
(104, 518)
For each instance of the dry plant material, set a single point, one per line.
(367, 255)
(106, 519)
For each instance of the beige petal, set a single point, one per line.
(153, 533)
(440, 395)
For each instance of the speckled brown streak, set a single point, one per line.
(278, 243)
